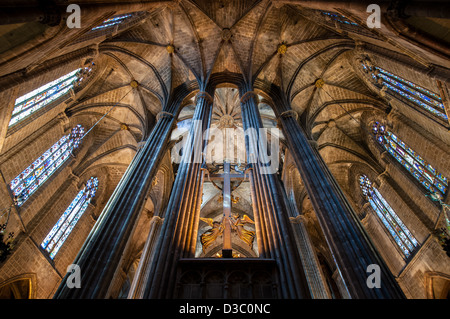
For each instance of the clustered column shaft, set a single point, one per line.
(316, 280)
(346, 237)
(100, 255)
(178, 230)
(272, 217)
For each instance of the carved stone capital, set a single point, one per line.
(141, 144)
(290, 113)
(62, 118)
(382, 178)
(313, 144)
(248, 95)
(204, 95)
(299, 219)
(74, 179)
(163, 114)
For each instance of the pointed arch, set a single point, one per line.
(19, 287)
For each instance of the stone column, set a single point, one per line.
(349, 243)
(316, 281)
(140, 279)
(101, 253)
(272, 216)
(337, 277)
(175, 239)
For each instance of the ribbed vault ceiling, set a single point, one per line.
(218, 40)
(215, 38)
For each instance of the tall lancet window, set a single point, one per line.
(402, 88)
(338, 17)
(65, 224)
(427, 175)
(112, 22)
(399, 232)
(27, 182)
(43, 96)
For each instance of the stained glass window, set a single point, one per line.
(418, 95)
(113, 21)
(42, 96)
(399, 232)
(27, 182)
(65, 224)
(338, 17)
(426, 174)
(83, 74)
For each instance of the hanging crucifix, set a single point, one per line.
(226, 250)
(230, 222)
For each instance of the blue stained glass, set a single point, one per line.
(408, 158)
(413, 91)
(417, 101)
(442, 178)
(388, 226)
(394, 215)
(396, 228)
(436, 96)
(42, 96)
(428, 176)
(339, 18)
(440, 186)
(111, 22)
(37, 173)
(420, 96)
(65, 224)
(432, 170)
(419, 168)
(413, 162)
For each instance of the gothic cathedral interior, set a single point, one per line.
(224, 149)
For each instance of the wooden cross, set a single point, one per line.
(226, 177)
(226, 249)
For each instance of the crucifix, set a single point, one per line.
(229, 221)
(226, 250)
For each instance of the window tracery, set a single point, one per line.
(39, 98)
(393, 224)
(400, 87)
(432, 180)
(65, 224)
(338, 17)
(27, 182)
(112, 21)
